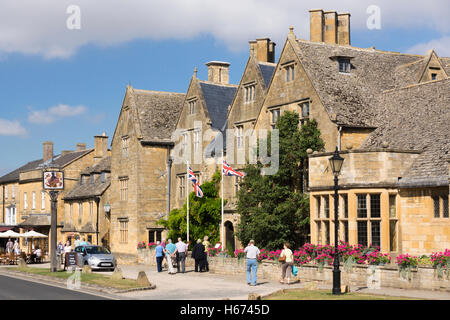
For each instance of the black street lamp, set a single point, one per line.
(336, 162)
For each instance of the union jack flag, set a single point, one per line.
(191, 176)
(229, 171)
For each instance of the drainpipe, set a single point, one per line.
(3, 200)
(169, 178)
(339, 138)
(97, 200)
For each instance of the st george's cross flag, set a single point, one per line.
(198, 190)
(229, 171)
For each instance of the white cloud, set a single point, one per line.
(55, 113)
(11, 128)
(40, 27)
(441, 46)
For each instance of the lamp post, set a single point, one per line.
(336, 162)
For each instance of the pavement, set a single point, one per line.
(209, 286)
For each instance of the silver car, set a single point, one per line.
(97, 257)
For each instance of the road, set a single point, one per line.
(18, 289)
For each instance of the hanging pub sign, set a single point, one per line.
(53, 180)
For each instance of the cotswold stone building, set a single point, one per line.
(84, 213)
(139, 176)
(25, 205)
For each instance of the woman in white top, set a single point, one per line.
(286, 267)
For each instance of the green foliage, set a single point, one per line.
(273, 209)
(204, 216)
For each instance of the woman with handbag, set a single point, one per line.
(287, 260)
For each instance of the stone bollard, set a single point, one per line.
(254, 296)
(117, 274)
(345, 289)
(142, 280)
(86, 269)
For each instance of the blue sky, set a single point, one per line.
(67, 85)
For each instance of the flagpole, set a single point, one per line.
(187, 197)
(221, 225)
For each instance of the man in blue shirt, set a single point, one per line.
(170, 255)
(159, 255)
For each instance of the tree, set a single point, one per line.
(204, 215)
(273, 209)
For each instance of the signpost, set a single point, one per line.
(53, 181)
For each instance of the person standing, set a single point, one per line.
(59, 251)
(181, 249)
(16, 248)
(207, 245)
(77, 241)
(66, 250)
(170, 255)
(159, 253)
(252, 264)
(198, 254)
(83, 242)
(286, 267)
(9, 246)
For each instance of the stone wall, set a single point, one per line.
(423, 278)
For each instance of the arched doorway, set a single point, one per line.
(229, 235)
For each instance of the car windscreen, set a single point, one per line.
(97, 250)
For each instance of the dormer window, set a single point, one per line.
(344, 65)
(433, 76)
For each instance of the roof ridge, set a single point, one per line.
(358, 48)
(416, 85)
(156, 91)
(272, 64)
(219, 84)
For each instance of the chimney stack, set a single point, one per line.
(263, 49)
(48, 151)
(81, 147)
(101, 147)
(329, 27)
(218, 72)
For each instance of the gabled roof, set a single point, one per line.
(218, 97)
(157, 113)
(417, 117)
(94, 189)
(349, 97)
(267, 70)
(60, 161)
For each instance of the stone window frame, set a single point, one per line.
(13, 191)
(302, 104)
(289, 71)
(181, 178)
(324, 222)
(125, 146)
(33, 200)
(124, 188)
(123, 230)
(237, 187)
(25, 200)
(274, 111)
(440, 206)
(249, 92)
(192, 105)
(80, 212)
(91, 211)
(42, 200)
(240, 136)
(368, 218)
(393, 223)
(197, 139)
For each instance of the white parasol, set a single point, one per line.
(10, 234)
(33, 234)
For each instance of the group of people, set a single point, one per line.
(175, 254)
(14, 247)
(252, 254)
(61, 249)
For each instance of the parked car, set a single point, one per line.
(97, 257)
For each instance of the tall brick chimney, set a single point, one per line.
(101, 147)
(48, 151)
(329, 27)
(263, 49)
(218, 72)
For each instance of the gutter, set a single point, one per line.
(97, 200)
